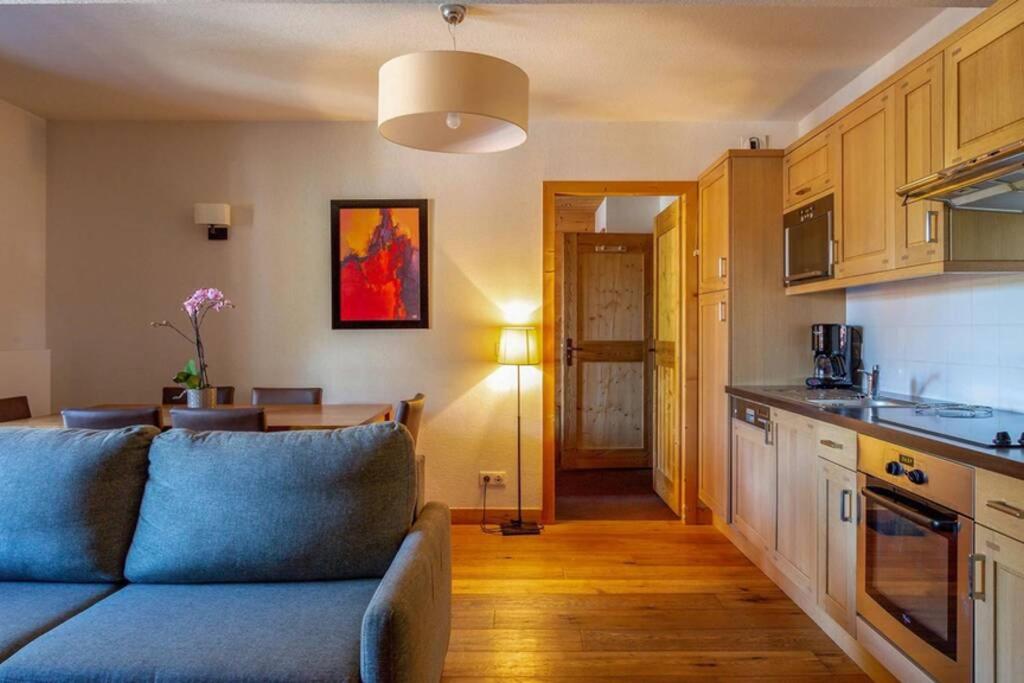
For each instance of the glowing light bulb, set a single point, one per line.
(453, 120)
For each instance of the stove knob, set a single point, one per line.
(1002, 439)
(1021, 439)
(894, 468)
(917, 477)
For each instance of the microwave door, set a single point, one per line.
(808, 249)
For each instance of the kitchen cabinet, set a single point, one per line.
(809, 170)
(866, 205)
(984, 93)
(837, 543)
(713, 239)
(999, 609)
(999, 503)
(753, 483)
(795, 548)
(713, 365)
(920, 226)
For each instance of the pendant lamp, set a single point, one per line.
(451, 101)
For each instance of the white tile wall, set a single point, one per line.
(959, 337)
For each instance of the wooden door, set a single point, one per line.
(999, 612)
(753, 483)
(809, 170)
(865, 210)
(607, 388)
(713, 453)
(837, 543)
(714, 229)
(920, 226)
(985, 87)
(796, 531)
(667, 282)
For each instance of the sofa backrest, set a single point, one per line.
(285, 506)
(69, 499)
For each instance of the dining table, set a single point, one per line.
(279, 417)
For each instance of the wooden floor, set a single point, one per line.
(628, 601)
(626, 494)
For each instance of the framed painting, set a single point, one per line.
(379, 264)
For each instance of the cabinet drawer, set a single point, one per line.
(809, 170)
(999, 503)
(837, 445)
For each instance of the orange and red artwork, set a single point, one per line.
(379, 274)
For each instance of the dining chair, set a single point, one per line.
(111, 418)
(175, 396)
(14, 408)
(410, 413)
(280, 396)
(219, 419)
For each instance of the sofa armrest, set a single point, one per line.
(408, 621)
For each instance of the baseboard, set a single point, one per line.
(494, 515)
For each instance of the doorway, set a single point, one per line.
(619, 423)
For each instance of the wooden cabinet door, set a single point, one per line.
(837, 543)
(796, 534)
(753, 483)
(999, 611)
(985, 87)
(866, 207)
(920, 226)
(714, 229)
(713, 453)
(809, 170)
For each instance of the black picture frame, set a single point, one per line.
(337, 322)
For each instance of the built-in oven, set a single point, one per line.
(809, 251)
(915, 538)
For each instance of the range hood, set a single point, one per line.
(991, 182)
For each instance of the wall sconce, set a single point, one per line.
(216, 218)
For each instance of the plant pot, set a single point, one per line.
(201, 398)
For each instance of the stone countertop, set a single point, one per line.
(1008, 461)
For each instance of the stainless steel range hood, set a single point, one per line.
(991, 182)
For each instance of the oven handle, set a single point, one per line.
(913, 515)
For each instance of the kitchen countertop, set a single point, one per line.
(1008, 461)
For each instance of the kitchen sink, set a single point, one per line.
(860, 402)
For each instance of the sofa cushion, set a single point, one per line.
(69, 499)
(215, 632)
(29, 609)
(287, 506)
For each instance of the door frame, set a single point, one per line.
(549, 363)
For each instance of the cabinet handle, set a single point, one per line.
(845, 504)
(721, 311)
(1006, 508)
(721, 268)
(802, 191)
(929, 225)
(769, 436)
(831, 444)
(976, 561)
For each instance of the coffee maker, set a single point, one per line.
(837, 355)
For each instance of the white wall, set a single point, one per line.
(629, 214)
(24, 360)
(123, 251)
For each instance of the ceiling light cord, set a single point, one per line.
(451, 32)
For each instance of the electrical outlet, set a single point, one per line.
(497, 479)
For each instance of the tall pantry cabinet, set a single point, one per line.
(750, 332)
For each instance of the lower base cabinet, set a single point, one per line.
(837, 543)
(999, 610)
(795, 550)
(753, 483)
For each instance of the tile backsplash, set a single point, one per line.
(958, 338)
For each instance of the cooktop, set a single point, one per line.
(977, 425)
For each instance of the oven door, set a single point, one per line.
(912, 577)
(808, 247)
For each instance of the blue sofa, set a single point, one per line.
(130, 555)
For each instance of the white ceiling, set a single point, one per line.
(294, 61)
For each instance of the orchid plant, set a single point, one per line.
(196, 307)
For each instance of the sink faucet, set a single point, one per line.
(871, 382)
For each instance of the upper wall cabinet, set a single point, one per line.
(920, 226)
(985, 87)
(809, 170)
(865, 207)
(714, 229)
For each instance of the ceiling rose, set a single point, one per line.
(451, 101)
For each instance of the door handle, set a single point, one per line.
(769, 436)
(569, 351)
(929, 225)
(721, 311)
(845, 504)
(721, 268)
(1006, 508)
(802, 191)
(974, 562)
(829, 443)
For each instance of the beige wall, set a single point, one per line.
(123, 251)
(24, 360)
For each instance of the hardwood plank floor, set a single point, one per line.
(627, 601)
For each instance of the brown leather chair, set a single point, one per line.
(281, 396)
(175, 396)
(111, 418)
(219, 419)
(14, 408)
(410, 413)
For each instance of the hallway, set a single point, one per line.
(608, 494)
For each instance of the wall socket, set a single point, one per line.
(497, 478)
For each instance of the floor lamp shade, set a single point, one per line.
(518, 346)
(449, 101)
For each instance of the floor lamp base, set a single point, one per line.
(518, 527)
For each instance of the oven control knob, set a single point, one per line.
(1002, 439)
(894, 468)
(917, 477)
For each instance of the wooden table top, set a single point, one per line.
(279, 418)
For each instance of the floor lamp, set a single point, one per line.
(518, 346)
